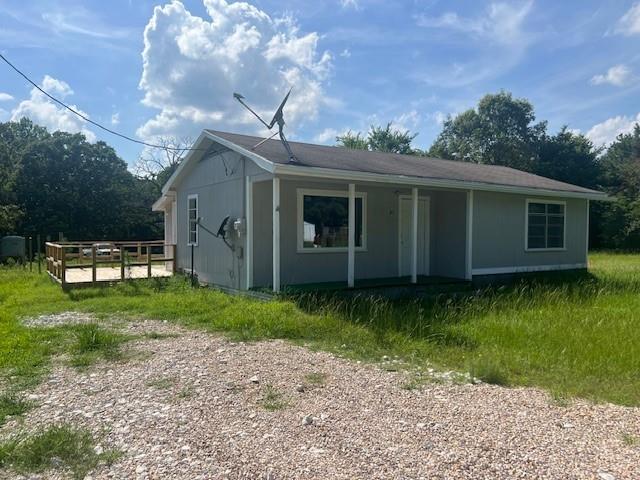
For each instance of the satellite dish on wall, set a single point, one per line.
(278, 118)
(221, 230)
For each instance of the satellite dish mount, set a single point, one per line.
(278, 118)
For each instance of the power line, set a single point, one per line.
(87, 119)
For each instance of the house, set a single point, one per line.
(341, 215)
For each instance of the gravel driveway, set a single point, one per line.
(198, 406)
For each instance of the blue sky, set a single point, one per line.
(151, 69)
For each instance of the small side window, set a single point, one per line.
(192, 215)
(545, 225)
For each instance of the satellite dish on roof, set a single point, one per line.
(278, 118)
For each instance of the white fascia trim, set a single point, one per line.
(333, 174)
(533, 268)
(260, 161)
(160, 205)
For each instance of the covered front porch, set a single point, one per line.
(306, 235)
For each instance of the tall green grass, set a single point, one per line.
(57, 447)
(574, 334)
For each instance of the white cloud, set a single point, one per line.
(407, 121)
(501, 23)
(355, 4)
(193, 65)
(439, 117)
(115, 119)
(606, 132)
(5, 97)
(629, 23)
(497, 38)
(328, 135)
(44, 112)
(617, 75)
(346, 53)
(82, 22)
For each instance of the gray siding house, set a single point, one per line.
(340, 215)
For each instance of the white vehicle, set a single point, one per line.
(102, 250)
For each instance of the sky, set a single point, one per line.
(153, 69)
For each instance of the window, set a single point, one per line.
(323, 221)
(192, 215)
(545, 225)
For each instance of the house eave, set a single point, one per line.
(351, 175)
(332, 174)
(161, 204)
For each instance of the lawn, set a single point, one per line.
(574, 335)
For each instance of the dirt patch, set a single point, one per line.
(199, 406)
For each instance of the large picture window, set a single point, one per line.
(545, 225)
(323, 221)
(192, 215)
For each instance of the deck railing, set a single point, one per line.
(63, 257)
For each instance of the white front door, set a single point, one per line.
(404, 255)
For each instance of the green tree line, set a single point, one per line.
(53, 183)
(59, 182)
(502, 130)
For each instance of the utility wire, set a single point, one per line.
(87, 119)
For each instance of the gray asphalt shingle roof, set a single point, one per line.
(338, 158)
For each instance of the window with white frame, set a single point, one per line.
(323, 220)
(192, 215)
(545, 225)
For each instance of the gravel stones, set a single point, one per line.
(209, 422)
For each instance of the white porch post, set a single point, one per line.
(352, 236)
(414, 235)
(586, 242)
(249, 232)
(276, 234)
(469, 256)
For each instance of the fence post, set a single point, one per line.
(94, 276)
(30, 253)
(148, 261)
(175, 258)
(139, 254)
(38, 245)
(63, 263)
(122, 262)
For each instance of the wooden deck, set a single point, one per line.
(74, 264)
(112, 274)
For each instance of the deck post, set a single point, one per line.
(121, 263)
(63, 273)
(414, 235)
(352, 236)
(94, 275)
(175, 258)
(249, 232)
(148, 261)
(276, 234)
(469, 255)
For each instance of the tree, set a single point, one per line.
(355, 142)
(569, 157)
(157, 164)
(392, 141)
(9, 210)
(500, 131)
(621, 179)
(59, 182)
(379, 139)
